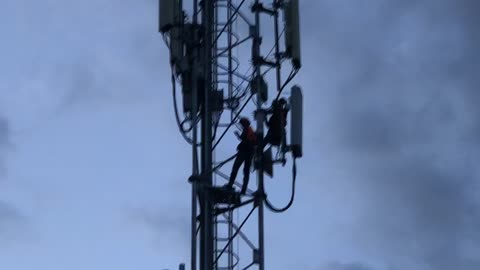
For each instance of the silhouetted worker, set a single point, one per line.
(277, 123)
(245, 151)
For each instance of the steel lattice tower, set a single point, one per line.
(215, 93)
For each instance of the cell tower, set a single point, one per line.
(205, 63)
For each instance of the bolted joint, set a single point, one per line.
(193, 179)
(281, 55)
(251, 31)
(256, 7)
(255, 35)
(257, 61)
(260, 196)
(256, 256)
(232, 103)
(198, 178)
(269, 63)
(278, 4)
(258, 85)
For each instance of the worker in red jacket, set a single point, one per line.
(245, 152)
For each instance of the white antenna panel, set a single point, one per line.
(292, 31)
(176, 46)
(296, 123)
(171, 21)
(171, 14)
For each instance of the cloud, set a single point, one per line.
(406, 115)
(11, 220)
(103, 60)
(421, 211)
(345, 266)
(9, 213)
(166, 224)
(5, 143)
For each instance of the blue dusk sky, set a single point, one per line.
(93, 170)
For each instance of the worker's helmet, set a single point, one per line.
(244, 122)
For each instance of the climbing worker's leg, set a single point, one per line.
(284, 140)
(236, 166)
(283, 147)
(246, 173)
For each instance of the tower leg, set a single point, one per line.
(207, 237)
(260, 132)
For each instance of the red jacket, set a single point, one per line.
(248, 140)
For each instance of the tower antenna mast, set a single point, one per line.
(216, 88)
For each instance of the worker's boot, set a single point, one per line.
(244, 186)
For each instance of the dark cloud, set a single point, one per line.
(406, 111)
(10, 217)
(99, 62)
(8, 213)
(422, 211)
(11, 221)
(166, 223)
(5, 142)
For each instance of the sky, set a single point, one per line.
(93, 170)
